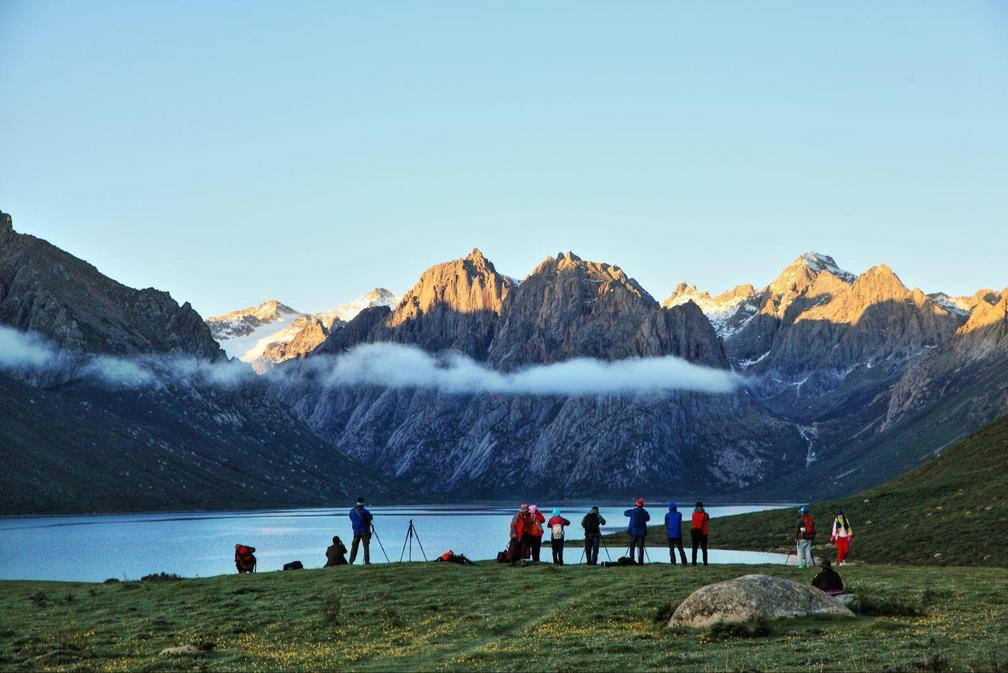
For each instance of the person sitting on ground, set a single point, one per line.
(360, 520)
(828, 580)
(592, 524)
(451, 557)
(637, 528)
(841, 536)
(556, 525)
(700, 530)
(673, 522)
(335, 554)
(245, 560)
(804, 534)
(536, 532)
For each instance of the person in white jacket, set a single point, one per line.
(841, 536)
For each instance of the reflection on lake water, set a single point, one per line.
(200, 544)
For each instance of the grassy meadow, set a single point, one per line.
(432, 616)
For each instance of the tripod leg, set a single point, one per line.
(375, 533)
(404, 547)
(418, 541)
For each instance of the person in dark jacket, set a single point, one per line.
(592, 524)
(673, 522)
(360, 520)
(828, 580)
(637, 528)
(336, 553)
(699, 531)
(556, 526)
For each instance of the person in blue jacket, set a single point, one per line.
(673, 521)
(637, 528)
(360, 519)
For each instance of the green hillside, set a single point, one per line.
(445, 617)
(952, 510)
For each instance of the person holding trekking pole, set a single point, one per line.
(673, 522)
(360, 520)
(637, 528)
(592, 524)
(699, 531)
(804, 534)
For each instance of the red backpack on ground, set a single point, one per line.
(245, 561)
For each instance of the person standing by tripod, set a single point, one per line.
(592, 524)
(360, 520)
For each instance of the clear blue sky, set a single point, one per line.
(234, 151)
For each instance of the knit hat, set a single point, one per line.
(556, 511)
(533, 508)
(639, 502)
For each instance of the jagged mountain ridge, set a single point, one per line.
(72, 443)
(46, 290)
(491, 445)
(846, 359)
(837, 429)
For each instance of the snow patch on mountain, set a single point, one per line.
(348, 311)
(722, 311)
(960, 306)
(250, 346)
(818, 262)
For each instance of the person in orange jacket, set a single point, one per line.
(536, 531)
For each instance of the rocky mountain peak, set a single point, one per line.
(987, 313)
(268, 311)
(466, 285)
(880, 283)
(803, 271)
(47, 290)
(570, 307)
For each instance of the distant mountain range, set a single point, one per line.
(845, 380)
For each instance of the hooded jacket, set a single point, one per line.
(673, 521)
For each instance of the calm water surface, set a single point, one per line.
(200, 544)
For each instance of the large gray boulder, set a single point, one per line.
(754, 597)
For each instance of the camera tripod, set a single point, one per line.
(410, 535)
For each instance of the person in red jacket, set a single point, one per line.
(521, 540)
(536, 532)
(699, 531)
(804, 534)
(556, 526)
